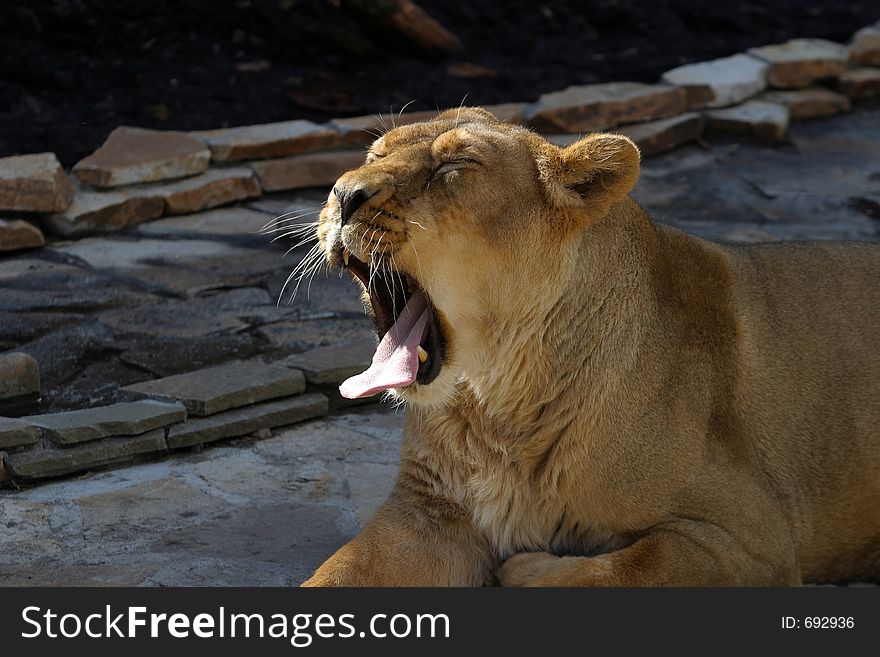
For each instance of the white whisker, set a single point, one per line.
(458, 114)
(395, 270)
(293, 272)
(300, 212)
(418, 262)
(289, 221)
(305, 235)
(302, 242)
(402, 109)
(385, 127)
(315, 271)
(312, 265)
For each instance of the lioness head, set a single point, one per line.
(456, 229)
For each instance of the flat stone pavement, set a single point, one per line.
(182, 293)
(248, 513)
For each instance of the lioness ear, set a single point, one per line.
(594, 172)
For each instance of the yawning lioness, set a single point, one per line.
(595, 399)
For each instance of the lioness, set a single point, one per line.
(595, 399)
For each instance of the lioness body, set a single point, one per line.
(671, 411)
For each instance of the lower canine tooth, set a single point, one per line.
(423, 355)
(345, 255)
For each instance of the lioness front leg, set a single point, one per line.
(410, 542)
(680, 553)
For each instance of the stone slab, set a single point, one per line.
(208, 190)
(123, 419)
(101, 212)
(363, 130)
(218, 223)
(34, 183)
(808, 103)
(136, 155)
(801, 62)
(333, 364)
(126, 255)
(508, 112)
(19, 375)
(860, 83)
(16, 235)
(663, 135)
(45, 462)
(301, 171)
(290, 204)
(241, 421)
(758, 118)
(16, 433)
(269, 140)
(602, 106)
(865, 47)
(720, 82)
(216, 389)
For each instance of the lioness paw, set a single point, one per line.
(528, 569)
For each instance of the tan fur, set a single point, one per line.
(621, 403)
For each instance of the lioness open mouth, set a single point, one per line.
(411, 342)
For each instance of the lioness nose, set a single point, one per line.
(349, 201)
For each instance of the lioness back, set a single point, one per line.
(808, 318)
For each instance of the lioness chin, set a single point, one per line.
(595, 399)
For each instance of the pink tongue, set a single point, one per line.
(396, 361)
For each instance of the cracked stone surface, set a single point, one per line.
(262, 513)
(824, 183)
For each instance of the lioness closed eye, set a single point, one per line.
(595, 399)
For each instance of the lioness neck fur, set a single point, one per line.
(619, 403)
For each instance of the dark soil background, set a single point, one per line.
(72, 70)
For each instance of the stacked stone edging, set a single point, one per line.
(192, 409)
(239, 398)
